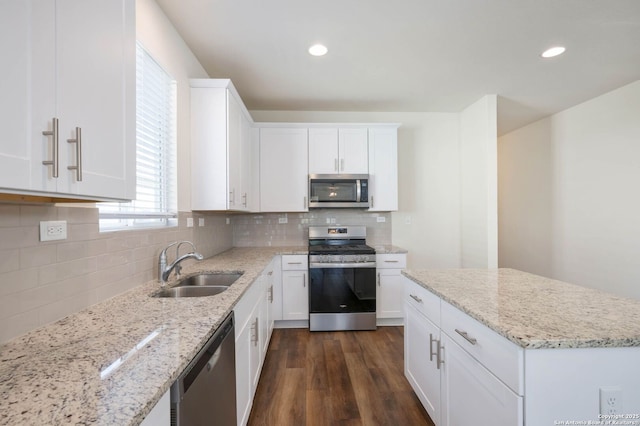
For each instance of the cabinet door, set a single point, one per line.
(266, 316)
(323, 151)
(276, 267)
(27, 84)
(353, 151)
(283, 170)
(421, 368)
(246, 169)
(390, 297)
(95, 61)
(234, 150)
(472, 395)
(383, 169)
(244, 393)
(295, 295)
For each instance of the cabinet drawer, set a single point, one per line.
(296, 262)
(423, 300)
(500, 356)
(388, 261)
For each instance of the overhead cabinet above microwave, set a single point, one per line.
(338, 151)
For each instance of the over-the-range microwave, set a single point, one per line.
(338, 191)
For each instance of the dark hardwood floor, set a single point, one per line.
(336, 378)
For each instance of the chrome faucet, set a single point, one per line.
(164, 270)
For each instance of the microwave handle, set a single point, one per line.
(358, 190)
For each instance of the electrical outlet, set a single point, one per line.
(611, 400)
(381, 219)
(189, 222)
(53, 230)
(201, 221)
(283, 220)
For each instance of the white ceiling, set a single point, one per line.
(415, 55)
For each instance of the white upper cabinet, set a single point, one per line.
(338, 150)
(383, 169)
(221, 147)
(283, 170)
(71, 76)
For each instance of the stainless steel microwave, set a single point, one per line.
(338, 191)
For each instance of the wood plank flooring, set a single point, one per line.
(336, 378)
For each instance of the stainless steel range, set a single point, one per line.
(342, 279)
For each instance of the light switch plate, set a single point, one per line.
(189, 222)
(381, 219)
(53, 230)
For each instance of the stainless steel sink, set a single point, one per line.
(205, 284)
(211, 278)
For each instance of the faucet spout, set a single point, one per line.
(164, 270)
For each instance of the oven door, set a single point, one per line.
(344, 289)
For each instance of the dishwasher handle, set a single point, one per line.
(208, 355)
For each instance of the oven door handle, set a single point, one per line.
(320, 265)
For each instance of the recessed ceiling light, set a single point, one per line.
(318, 50)
(554, 51)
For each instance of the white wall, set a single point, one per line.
(569, 198)
(478, 189)
(162, 41)
(428, 221)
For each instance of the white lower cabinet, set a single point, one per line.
(420, 367)
(253, 331)
(458, 367)
(471, 395)
(390, 287)
(295, 287)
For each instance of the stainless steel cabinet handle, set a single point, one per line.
(304, 280)
(294, 263)
(271, 294)
(270, 273)
(416, 298)
(373, 204)
(232, 197)
(464, 334)
(342, 165)
(431, 342)
(244, 199)
(256, 337)
(391, 261)
(305, 203)
(78, 142)
(335, 165)
(54, 150)
(378, 279)
(439, 360)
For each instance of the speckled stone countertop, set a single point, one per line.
(389, 249)
(110, 364)
(536, 312)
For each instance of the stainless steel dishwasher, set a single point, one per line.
(205, 393)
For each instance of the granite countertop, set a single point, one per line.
(109, 364)
(389, 249)
(536, 312)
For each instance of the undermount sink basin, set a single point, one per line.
(193, 291)
(200, 285)
(211, 278)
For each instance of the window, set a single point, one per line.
(156, 195)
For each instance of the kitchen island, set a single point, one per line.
(536, 350)
(111, 363)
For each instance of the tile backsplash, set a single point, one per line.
(41, 282)
(290, 229)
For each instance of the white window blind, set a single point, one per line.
(156, 188)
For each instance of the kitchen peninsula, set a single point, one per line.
(524, 348)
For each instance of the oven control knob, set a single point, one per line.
(341, 259)
(358, 259)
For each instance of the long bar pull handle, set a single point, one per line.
(78, 166)
(373, 204)
(304, 280)
(378, 279)
(390, 261)
(342, 165)
(244, 199)
(431, 342)
(416, 298)
(305, 203)
(464, 334)
(54, 151)
(256, 337)
(439, 360)
(335, 165)
(271, 294)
